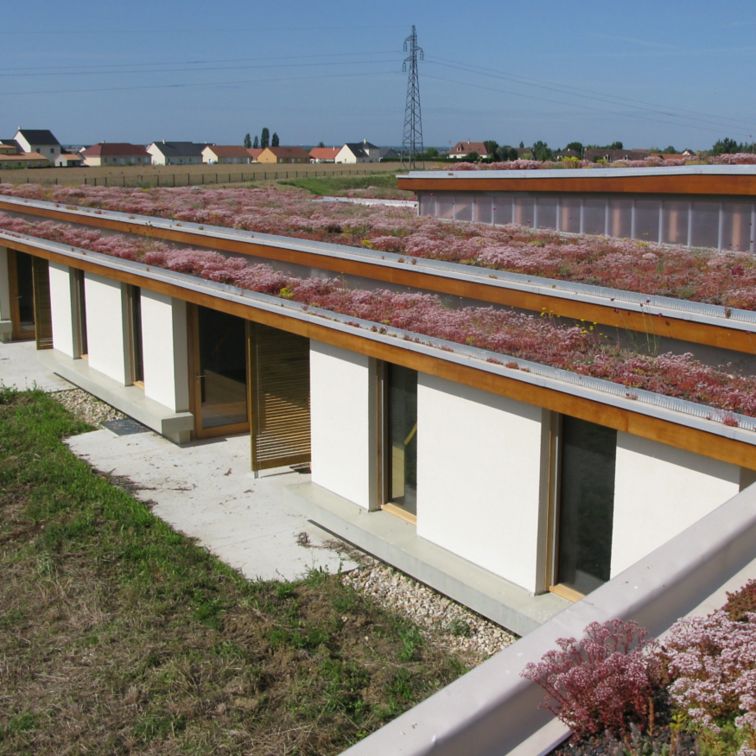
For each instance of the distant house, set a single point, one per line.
(462, 149)
(324, 154)
(254, 153)
(283, 155)
(176, 153)
(23, 160)
(359, 152)
(225, 154)
(9, 147)
(68, 160)
(41, 141)
(116, 153)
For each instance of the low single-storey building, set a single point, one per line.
(223, 154)
(283, 155)
(116, 153)
(176, 153)
(513, 489)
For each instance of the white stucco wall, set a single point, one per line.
(164, 350)
(62, 309)
(106, 331)
(479, 488)
(658, 492)
(343, 447)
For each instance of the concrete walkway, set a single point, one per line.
(204, 489)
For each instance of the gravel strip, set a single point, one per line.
(84, 406)
(444, 622)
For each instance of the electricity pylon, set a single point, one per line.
(412, 141)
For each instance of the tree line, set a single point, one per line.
(263, 141)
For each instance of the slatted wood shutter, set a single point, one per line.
(42, 312)
(280, 397)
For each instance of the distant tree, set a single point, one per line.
(256, 143)
(576, 147)
(506, 153)
(472, 157)
(725, 146)
(265, 138)
(321, 144)
(542, 151)
(670, 149)
(616, 146)
(247, 141)
(522, 145)
(491, 147)
(274, 140)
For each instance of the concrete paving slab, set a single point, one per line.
(20, 369)
(207, 491)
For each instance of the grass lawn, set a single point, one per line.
(118, 634)
(375, 185)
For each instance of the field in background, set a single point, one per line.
(118, 634)
(191, 175)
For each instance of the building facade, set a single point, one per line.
(513, 490)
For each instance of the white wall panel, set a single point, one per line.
(343, 444)
(480, 481)
(62, 309)
(106, 331)
(659, 491)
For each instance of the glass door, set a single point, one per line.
(21, 282)
(219, 351)
(586, 505)
(400, 434)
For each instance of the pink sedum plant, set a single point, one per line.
(516, 334)
(711, 662)
(600, 683)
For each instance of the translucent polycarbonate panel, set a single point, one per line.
(647, 219)
(445, 206)
(483, 209)
(547, 210)
(594, 215)
(736, 226)
(620, 214)
(523, 210)
(675, 224)
(569, 215)
(463, 206)
(502, 209)
(426, 203)
(705, 224)
(586, 504)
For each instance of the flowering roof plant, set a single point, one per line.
(525, 336)
(725, 278)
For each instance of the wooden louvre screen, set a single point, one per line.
(280, 397)
(42, 314)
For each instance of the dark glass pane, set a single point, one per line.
(402, 437)
(223, 366)
(586, 504)
(25, 288)
(136, 332)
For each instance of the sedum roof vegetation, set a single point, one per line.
(704, 275)
(725, 278)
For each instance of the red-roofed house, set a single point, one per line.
(462, 149)
(254, 153)
(324, 154)
(228, 154)
(283, 155)
(115, 153)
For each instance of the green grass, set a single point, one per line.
(118, 634)
(380, 184)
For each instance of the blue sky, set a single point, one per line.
(645, 73)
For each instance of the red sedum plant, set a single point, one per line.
(600, 683)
